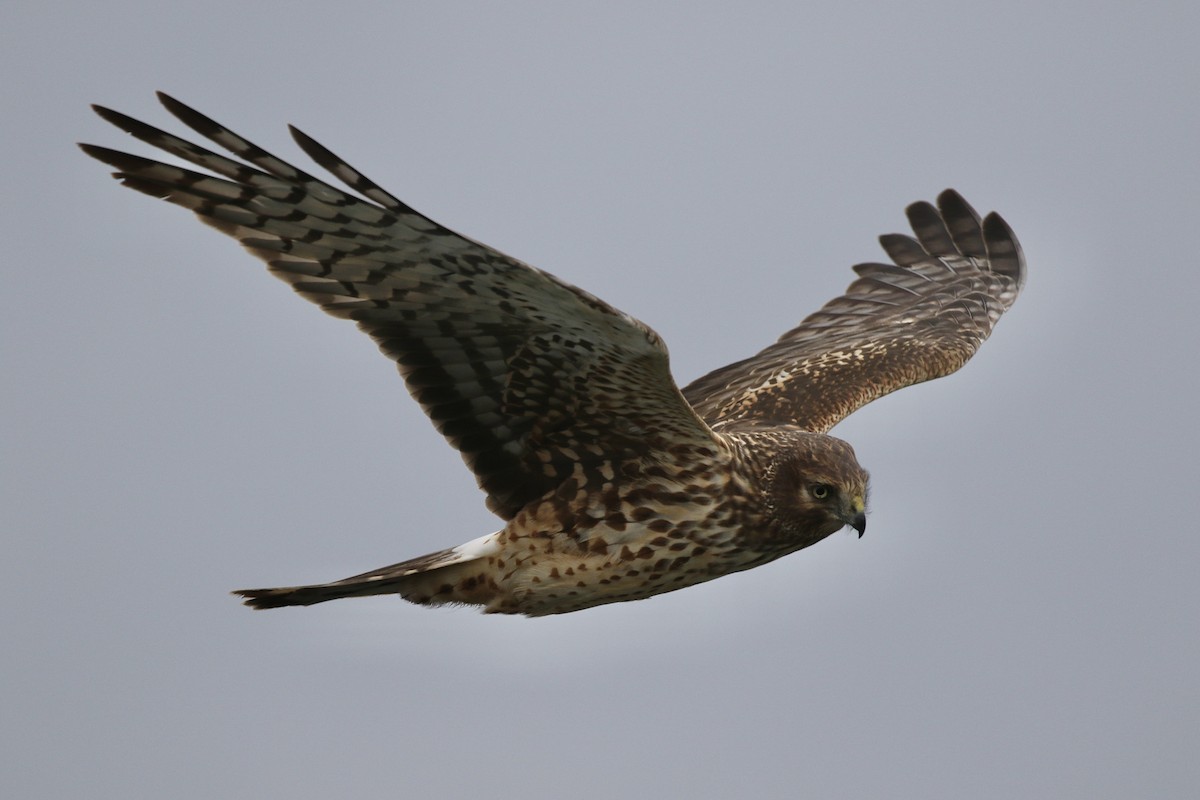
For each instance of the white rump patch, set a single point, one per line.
(479, 548)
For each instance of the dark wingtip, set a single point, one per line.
(171, 104)
(315, 150)
(930, 228)
(963, 222)
(114, 158)
(205, 126)
(949, 201)
(950, 195)
(122, 121)
(1003, 248)
(105, 112)
(93, 150)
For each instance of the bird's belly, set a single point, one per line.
(615, 566)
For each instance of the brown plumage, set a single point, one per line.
(613, 483)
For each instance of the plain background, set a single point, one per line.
(1021, 619)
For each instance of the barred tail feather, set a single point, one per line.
(455, 575)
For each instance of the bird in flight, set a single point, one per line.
(612, 482)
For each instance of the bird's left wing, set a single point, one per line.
(528, 377)
(898, 324)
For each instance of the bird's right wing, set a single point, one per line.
(898, 324)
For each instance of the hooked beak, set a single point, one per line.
(857, 516)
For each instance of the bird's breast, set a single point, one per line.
(568, 553)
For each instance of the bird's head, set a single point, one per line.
(817, 487)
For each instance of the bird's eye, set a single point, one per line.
(821, 490)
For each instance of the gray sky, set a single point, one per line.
(1020, 620)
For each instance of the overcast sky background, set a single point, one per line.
(1021, 619)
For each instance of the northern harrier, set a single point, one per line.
(613, 483)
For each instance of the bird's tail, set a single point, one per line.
(455, 575)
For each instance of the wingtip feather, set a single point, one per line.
(1004, 249)
(188, 115)
(963, 223)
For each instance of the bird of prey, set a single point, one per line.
(613, 483)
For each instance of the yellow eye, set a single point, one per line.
(821, 490)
